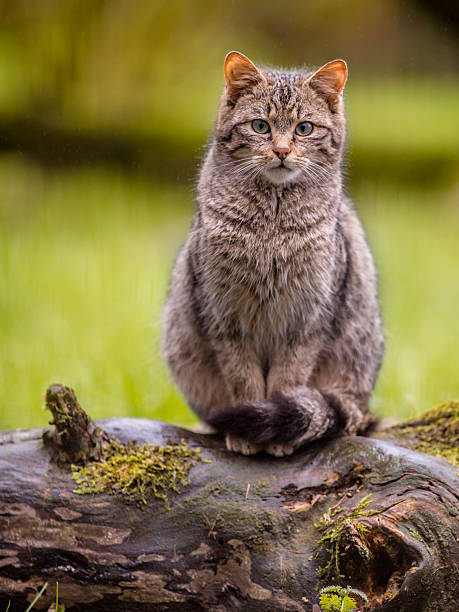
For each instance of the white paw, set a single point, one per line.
(239, 445)
(280, 450)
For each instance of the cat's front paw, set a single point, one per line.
(239, 445)
(280, 450)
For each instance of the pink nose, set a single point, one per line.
(281, 152)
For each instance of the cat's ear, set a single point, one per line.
(329, 81)
(240, 74)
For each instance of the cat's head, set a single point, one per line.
(281, 127)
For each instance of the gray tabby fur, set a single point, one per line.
(271, 327)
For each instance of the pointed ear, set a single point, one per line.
(240, 74)
(329, 81)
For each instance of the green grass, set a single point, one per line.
(84, 263)
(414, 238)
(85, 258)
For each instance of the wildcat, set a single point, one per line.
(271, 327)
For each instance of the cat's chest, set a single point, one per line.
(262, 261)
(268, 274)
(266, 268)
(268, 256)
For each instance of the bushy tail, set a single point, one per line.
(302, 413)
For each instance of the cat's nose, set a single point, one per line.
(281, 152)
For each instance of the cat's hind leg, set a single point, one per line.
(194, 369)
(191, 360)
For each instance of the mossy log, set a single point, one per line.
(245, 533)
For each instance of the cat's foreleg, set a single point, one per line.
(333, 401)
(287, 387)
(198, 375)
(289, 414)
(299, 405)
(291, 366)
(245, 384)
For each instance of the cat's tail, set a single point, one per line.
(300, 414)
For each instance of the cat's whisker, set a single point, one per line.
(253, 159)
(243, 164)
(249, 171)
(256, 173)
(233, 162)
(258, 170)
(241, 172)
(230, 165)
(319, 168)
(315, 169)
(311, 176)
(311, 170)
(237, 162)
(306, 169)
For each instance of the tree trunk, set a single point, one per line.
(246, 533)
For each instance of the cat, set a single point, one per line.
(271, 327)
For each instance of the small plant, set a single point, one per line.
(57, 606)
(338, 599)
(333, 525)
(37, 597)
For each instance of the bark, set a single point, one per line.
(247, 533)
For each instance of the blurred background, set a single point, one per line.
(105, 110)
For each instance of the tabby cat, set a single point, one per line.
(272, 327)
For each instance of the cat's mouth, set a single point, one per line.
(281, 164)
(281, 173)
(287, 164)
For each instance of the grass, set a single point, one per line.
(85, 258)
(414, 238)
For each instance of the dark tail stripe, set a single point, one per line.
(277, 420)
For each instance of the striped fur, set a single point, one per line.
(271, 326)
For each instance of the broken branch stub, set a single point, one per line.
(76, 439)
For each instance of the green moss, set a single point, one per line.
(334, 524)
(436, 432)
(136, 471)
(416, 535)
(258, 543)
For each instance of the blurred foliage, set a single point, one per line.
(151, 73)
(86, 249)
(105, 61)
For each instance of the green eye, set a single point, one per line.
(260, 126)
(304, 128)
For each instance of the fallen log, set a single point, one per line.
(245, 533)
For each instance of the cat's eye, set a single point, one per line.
(304, 128)
(260, 126)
